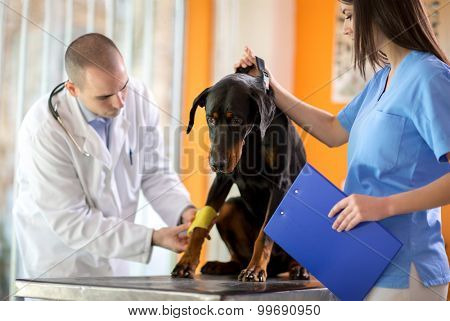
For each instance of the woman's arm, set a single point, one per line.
(359, 208)
(319, 123)
(432, 195)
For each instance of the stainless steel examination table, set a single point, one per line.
(202, 287)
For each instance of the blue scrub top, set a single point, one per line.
(398, 141)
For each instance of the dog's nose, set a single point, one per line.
(218, 165)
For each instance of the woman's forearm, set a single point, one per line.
(321, 124)
(357, 208)
(433, 195)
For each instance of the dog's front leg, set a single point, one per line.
(256, 270)
(217, 194)
(185, 268)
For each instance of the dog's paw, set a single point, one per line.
(221, 268)
(184, 269)
(298, 272)
(253, 274)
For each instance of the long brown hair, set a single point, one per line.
(404, 22)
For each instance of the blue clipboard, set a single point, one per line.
(347, 263)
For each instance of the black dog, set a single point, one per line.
(253, 145)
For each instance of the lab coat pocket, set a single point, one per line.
(380, 142)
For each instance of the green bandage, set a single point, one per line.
(203, 218)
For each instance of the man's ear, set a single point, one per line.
(71, 88)
(266, 109)
(200, 100)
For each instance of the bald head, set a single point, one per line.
(91, 50)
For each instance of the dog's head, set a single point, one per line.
(234, 106)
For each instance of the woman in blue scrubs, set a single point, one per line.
(398, 131)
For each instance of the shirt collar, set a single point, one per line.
(88, 115)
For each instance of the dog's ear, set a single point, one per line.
(200, 100)
(266, 109)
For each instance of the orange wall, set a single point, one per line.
(314, 50)
(313, 60)
(197, 76)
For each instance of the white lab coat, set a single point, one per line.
(74, 215)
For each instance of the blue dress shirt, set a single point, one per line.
(100, 124)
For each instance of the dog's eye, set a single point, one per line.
(236, 121)
(211, 121)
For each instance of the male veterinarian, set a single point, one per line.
(85, 152)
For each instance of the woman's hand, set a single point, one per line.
(248, 59)
(359, 208)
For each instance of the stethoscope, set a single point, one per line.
(55, 114)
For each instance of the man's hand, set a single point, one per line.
(188, 215)
(358, 208)
(170, 238)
